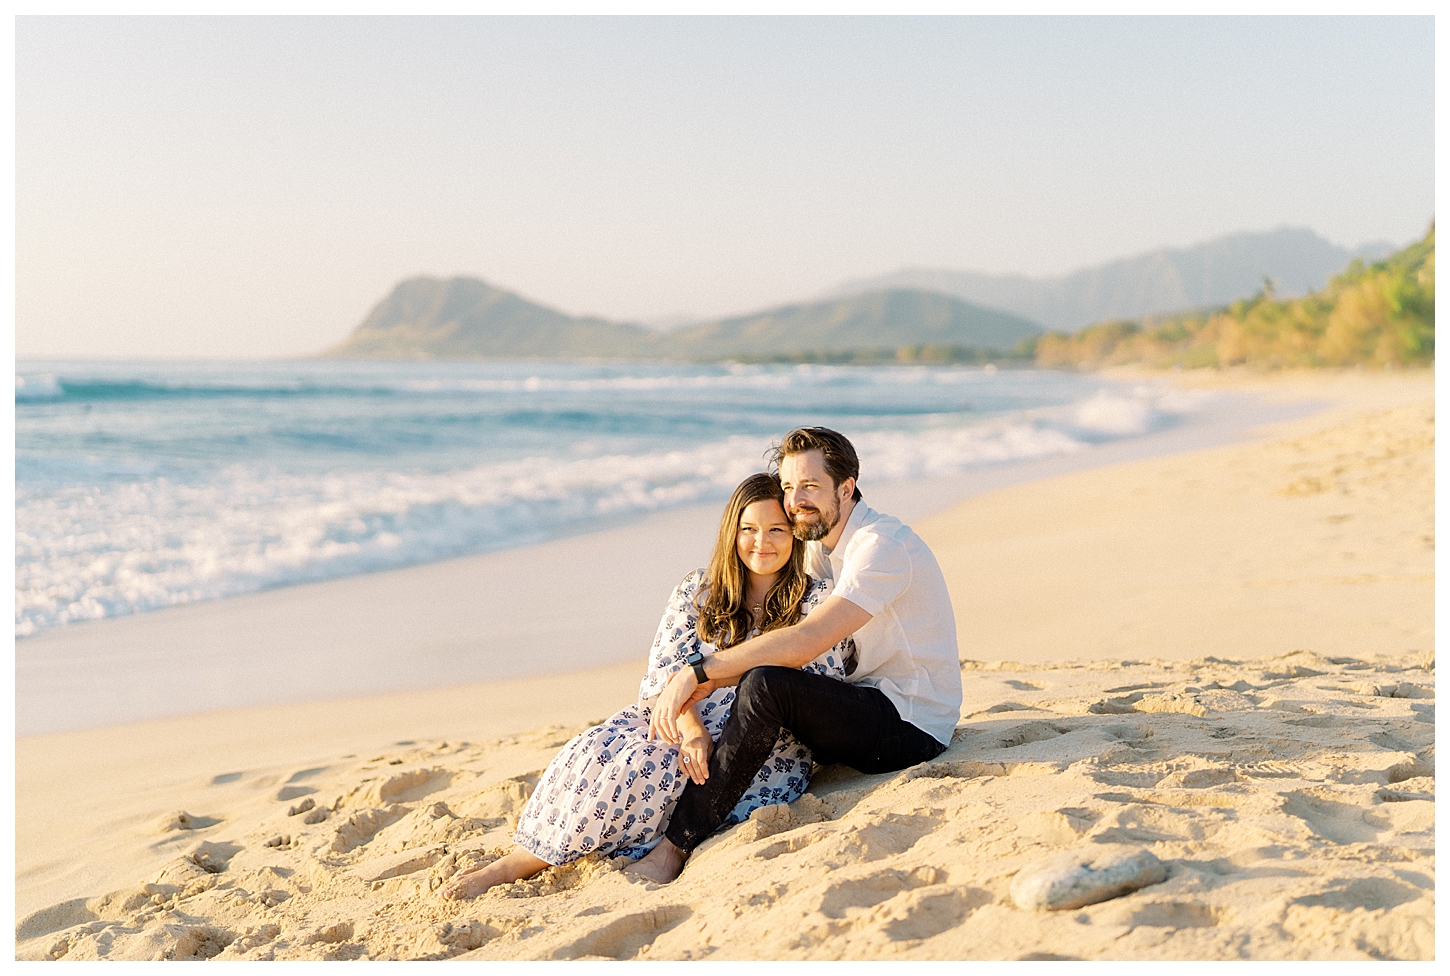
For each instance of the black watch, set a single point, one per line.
(696, 660)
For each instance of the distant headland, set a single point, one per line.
(465, 318)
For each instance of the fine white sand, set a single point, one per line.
(1226, 662)
(1321, 536)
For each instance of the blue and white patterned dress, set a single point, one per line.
(612, 789)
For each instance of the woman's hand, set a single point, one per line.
(695, 758)
(695, 746)
(681, 691)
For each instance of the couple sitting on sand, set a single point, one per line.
(839, 650)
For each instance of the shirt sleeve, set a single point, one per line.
(674, 640)
(875, 572)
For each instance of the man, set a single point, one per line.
(903, 694)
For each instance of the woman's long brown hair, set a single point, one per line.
(724, 615)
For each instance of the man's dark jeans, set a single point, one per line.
(841, 723)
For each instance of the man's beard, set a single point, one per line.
(811, 525)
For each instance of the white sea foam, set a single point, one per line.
(736, 376)
(1133, 411)
(42, 387)
(99, 550)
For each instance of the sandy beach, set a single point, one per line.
(1211, 670)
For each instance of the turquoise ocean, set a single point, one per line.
(142, 485)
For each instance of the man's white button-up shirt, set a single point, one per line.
(908, 650)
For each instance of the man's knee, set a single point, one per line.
(759, 691)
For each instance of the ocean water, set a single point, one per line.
(142, 485)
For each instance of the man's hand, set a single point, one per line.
(681, 692)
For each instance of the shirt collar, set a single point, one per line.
(858, 516)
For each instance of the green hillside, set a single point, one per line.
(464, 318)
(882, 321)
(1377, 314)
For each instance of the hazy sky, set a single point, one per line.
(253, 186)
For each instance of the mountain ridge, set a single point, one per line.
(1164, 280)
(465, 318)
(909, 315)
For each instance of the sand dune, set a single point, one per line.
(1216, 741)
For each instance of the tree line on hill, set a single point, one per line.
(1380, 314)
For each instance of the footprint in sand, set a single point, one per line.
(957, 769)
(626, 937)
(880, 837)
(926, 912)
(1055, 828)
(448, 939)
(1422, 766)
(903, 906)
(201, 942)
(253, 939)
(799, 841)
(1021, 735)
(1173, 915)
(361, 827)
(873, 889)
(403, 787)
(337, 932)
(213, 857)
(1328, 816)
(1369, 894)
(54, 918)
(399, 864)
(500, 801)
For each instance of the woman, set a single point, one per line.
(611, 788)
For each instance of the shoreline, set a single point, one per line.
(466, 619)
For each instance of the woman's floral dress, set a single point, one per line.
(612, 789)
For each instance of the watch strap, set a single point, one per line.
(696, 660)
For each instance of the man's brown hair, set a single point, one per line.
(840, 456)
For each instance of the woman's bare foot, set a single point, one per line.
(513, 866)
(663, 864)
